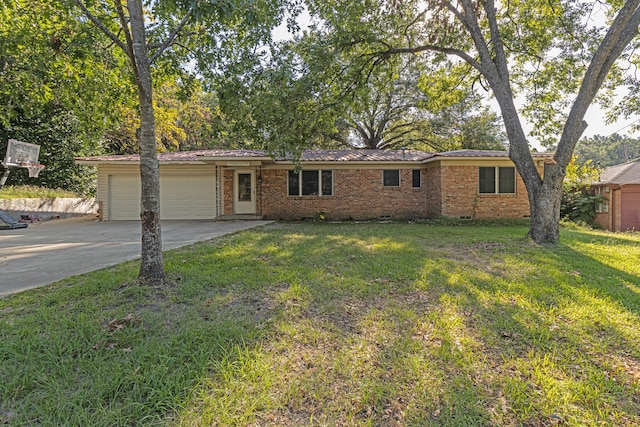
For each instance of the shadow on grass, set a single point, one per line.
(345, 324)
(489, 332)
(100, 350)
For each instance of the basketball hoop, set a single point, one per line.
(21, 155)
(33, 168)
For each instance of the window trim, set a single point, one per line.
(384, 171)
(321, 190)
(603, 206)
(496, 180)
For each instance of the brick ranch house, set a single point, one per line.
(340, 184)
(620, 185)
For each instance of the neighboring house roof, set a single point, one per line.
(624, 173)
(365, 156)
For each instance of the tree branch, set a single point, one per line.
(623, 30)
(127, 33)
(434, 48)
(471, 22)
(100, 25)
(496, 40)
(415, 20)
(172, 37)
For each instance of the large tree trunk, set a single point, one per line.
(544, 200)
(544, 192)
(151, 265)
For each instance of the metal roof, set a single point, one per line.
(484, 153)
(181, 156)
(360, 156)
(348, 156)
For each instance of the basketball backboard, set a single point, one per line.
(19, 153)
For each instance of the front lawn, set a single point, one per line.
(338, 324)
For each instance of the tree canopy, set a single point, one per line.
(550, 51)
(151, 35)
(341, 101)
(379, 73)
(608, 150)
(50, 56)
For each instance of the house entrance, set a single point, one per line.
(244, 194)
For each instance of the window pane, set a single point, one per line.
(507, 180)
(391, 178)
(294, 182)
(416, 178)
(244, 187)
(487, 178)
(327, 183)
(310, 183)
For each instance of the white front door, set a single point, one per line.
(244, 194)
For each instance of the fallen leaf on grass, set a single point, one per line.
(556, 420)
(117, 324)
(106, 345)
(506, 334)
(503, 405)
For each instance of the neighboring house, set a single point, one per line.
(620, 185)
(335, 184)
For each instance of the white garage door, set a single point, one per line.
(187, 197)
(124, 197)
(181, 197)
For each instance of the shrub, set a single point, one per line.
(578, 202)
(579, 205)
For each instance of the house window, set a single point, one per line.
(603, 207)
(294, 183)
(416, 178)
(506, 180)
(504, 177)
(391, 178)
(327, 183)
(311, 183)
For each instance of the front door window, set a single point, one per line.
(244, 187)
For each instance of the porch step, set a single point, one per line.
(239, 217)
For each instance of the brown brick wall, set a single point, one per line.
(357, 194)
(447, 190)
(616, 195)
(433, 181)
(228, 192)
(461, 199)
(602, 219)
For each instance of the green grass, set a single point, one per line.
(318, 324)
(33, 192)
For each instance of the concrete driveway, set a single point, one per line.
(49, 251)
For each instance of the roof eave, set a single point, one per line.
(105, 162)
(234, 158)
(350, 162)
(135, 162)
(437, 157)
